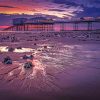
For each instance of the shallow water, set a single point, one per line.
(22, 50)
(59, 69)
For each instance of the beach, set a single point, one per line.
(65, 67)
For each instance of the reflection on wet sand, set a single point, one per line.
(57, 69)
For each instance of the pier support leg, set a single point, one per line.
(62, 27)
(89, 26)
(75, 26)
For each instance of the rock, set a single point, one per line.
(28, 57)
(31, 57)
(39, 50)
(11, 49)
(25, 57)
(36, 39)
(45, 47)
(7, 60)
(28, 65)
(19, 47)
(34, 43)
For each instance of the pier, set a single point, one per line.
(43, 24)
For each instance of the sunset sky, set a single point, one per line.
(60, 8)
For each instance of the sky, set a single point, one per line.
(10, 9)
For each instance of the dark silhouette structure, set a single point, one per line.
(44, 24)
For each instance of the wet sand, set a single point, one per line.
(62, 72)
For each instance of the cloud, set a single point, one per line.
(87, 3)
(6, 6)
(58, 10)
(82, 3)
(86, 7)
(66, 2)
(92, 12)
